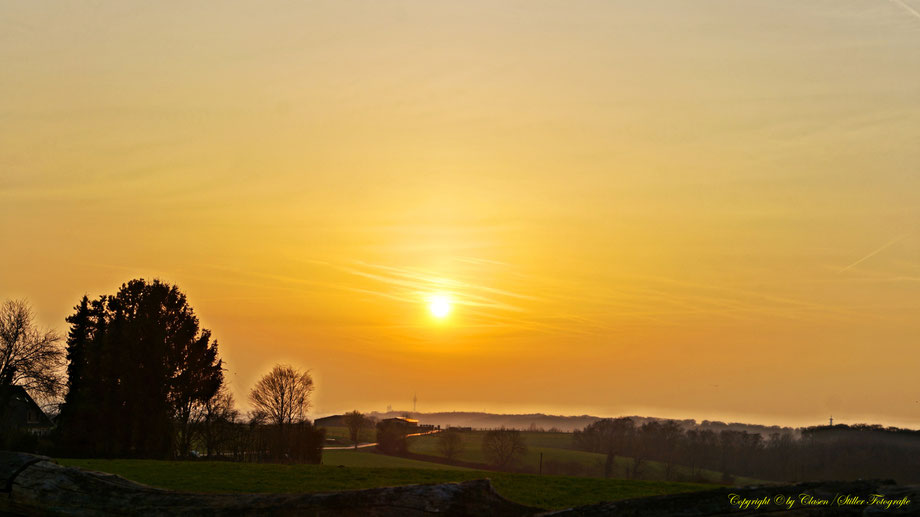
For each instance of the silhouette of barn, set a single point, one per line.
(19, 412)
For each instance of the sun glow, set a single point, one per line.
(439, 305)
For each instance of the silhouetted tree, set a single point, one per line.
(354, 421)
(656, 440)
(283, 395)
(82, 408)
(29, 357)
(450, 443)
(215, 419)
(138, 364)
(610, 436)
(668, 445)
(503, 447)
(391, 437)
(196, 381)
(698, 451)
(729, 449)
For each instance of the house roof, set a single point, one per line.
(327, 420)
(20, 410)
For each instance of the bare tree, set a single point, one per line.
(216, 418)
(502, 447)
(29, 357)
(610, 436)
(354, 421)
(450, 443)
(670, 439)
(283, 395)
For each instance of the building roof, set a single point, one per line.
(332, 420)
(402, 419)
(20, 410)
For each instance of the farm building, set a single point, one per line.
(19, 412)
(408, 423)
(330, 421)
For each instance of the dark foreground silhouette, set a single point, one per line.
(35, 485)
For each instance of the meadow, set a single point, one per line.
(561, 457)
(339, 436)
(370, 470)
(370, 458)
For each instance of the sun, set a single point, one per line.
(439, 305)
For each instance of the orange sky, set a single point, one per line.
(699, 209)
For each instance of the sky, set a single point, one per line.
(705, 209)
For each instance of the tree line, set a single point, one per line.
(140, 378)
(822, 452)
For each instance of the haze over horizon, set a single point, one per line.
(705, 210)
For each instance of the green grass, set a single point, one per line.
(368, 458)
(208, 476)
(472, 449)
(340, 435)
(559, 447)
(547, 439)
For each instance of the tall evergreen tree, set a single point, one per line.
(78, 343)
(138, 362)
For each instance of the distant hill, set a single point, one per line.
(540, 421)
(765, 430)
(490, 421)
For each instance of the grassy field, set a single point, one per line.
(559, 453)
(369, 458)
(340, 436)
(532, 490)
(472, 449)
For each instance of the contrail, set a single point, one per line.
(910, 10)
(876, 252)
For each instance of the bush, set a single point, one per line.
(450, 444)
(20, 441)
(391, 438)
(293, 443)
(503, 447)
